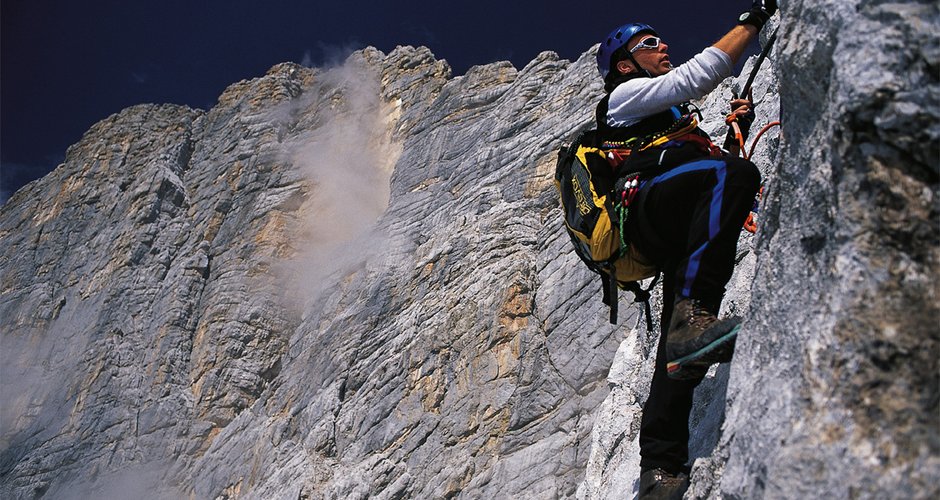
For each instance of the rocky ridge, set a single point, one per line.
(182, 336)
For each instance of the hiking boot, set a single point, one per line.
(697, 339)
(657, 484)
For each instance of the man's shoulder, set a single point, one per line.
(629, 89)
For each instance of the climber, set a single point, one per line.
(686, 217)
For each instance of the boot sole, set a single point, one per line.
(695, 365)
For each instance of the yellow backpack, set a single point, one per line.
(595, 193)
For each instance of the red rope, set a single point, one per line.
(757, 138)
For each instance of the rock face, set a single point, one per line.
(353, 283)
(836, 393)
(252, 302)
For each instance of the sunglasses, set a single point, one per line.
(647, 43)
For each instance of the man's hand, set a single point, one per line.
(743, 112)
(760, 12)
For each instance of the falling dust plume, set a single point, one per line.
(345, 148)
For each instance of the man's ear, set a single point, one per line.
(625, 67)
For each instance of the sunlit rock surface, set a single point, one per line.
(336, 283)
(836, 393)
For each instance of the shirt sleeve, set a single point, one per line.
(636, 99)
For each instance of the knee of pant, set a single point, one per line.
(744, 172)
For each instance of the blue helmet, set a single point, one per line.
(618, 38)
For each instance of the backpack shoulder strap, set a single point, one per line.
(600, 116)
(641, 295)
(609, 284)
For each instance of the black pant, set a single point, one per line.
(688, 221)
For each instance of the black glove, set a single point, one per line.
(745, 121)
(768, 6)
(760, 12)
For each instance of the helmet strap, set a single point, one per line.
(615, 77)
(640, 70)
(638, 67)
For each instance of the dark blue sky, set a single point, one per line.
(66, 64)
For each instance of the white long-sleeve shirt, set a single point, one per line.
(639, 98)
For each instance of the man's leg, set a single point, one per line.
(697, 210)
(715, 229)
(673, 218)
(664, 429)
(705, 202)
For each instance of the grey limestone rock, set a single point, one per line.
(835, 393)
(329, 285)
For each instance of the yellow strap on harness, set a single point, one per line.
(668, 137)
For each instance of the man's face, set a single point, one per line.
(654, 60)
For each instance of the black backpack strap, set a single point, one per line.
(611, 286)
(610, 295)
(641, 295)
(600, 116)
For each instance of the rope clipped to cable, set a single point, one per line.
(732, 119)
(750, 224)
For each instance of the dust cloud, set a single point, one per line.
(346, 150)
